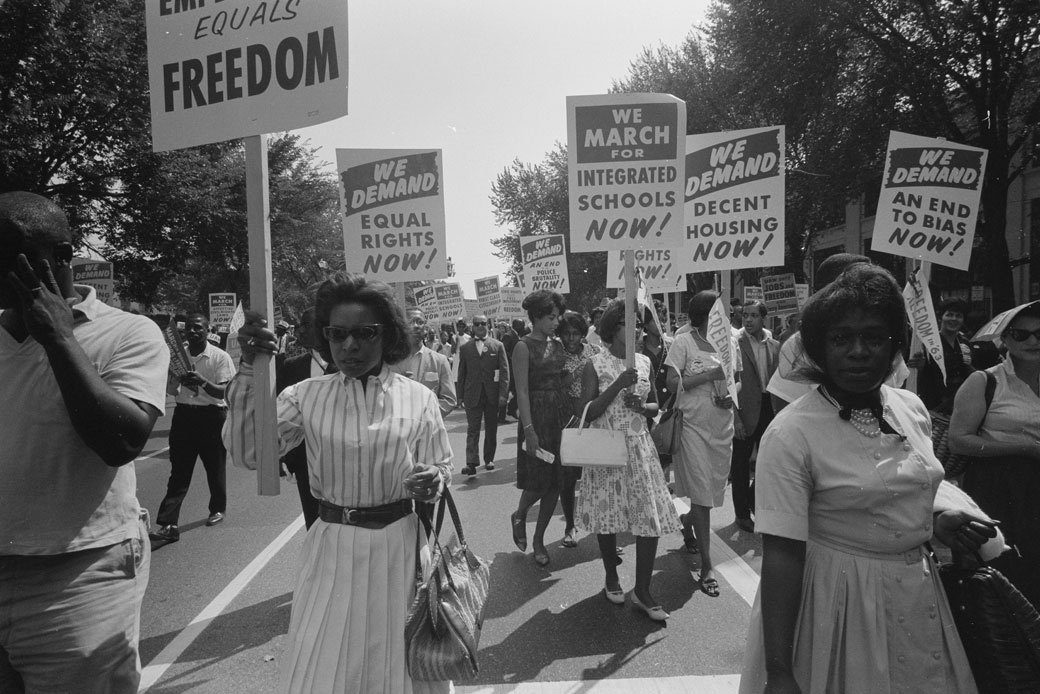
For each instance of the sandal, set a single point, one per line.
(689, 540)
(709, 586)
(568, 539)
(519, 532)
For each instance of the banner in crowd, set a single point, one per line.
(449, 301)
(238, 319)
(929, 200)
(625, 173)
(780, 294)
(659, 268)
(545, 263)
(99, 274)
(512, 302)
(720, 335)
(734, 196)
(752, 293)
(221, 308)
(921, 312)
(426, 299)
(393, 213)
(236, 68)
(488, 297)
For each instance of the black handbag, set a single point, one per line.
(999, 628)
(442, 629)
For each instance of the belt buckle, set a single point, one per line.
(349, 516)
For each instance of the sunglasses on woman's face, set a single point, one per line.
(1021, 334)
(362, 333)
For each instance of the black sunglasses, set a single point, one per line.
(362, 333)
(1021, 334)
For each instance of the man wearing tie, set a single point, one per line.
(484, 387)
(426, 366)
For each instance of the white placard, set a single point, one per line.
(545, 263)
(488, 297)
(659, 268)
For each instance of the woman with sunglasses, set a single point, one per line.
(376, 445)
(1005, 437)
(850, 599)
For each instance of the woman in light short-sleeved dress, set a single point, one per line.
(850, 601)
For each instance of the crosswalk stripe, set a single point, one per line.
(691, 684)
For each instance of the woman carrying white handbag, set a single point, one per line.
(633, 498)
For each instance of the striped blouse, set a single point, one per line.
(361, 443)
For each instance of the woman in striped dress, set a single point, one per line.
(376, 444)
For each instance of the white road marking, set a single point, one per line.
(169, 655)
(691, 684)
(151, 455)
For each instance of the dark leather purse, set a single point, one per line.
(999, 628)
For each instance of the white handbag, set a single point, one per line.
(581, 447)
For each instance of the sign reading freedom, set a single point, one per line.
(234, 68)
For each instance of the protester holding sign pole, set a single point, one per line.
(543, 408)
(938, 386)
(698, 375)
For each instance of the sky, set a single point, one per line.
(485, 81)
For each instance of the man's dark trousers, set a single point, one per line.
(488, 411)
(195, 433)
(740, 467)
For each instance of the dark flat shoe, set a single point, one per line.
(519, 532)
(541, 558)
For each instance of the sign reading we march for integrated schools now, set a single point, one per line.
(626, 171)
(393, 213)
(225, 69)
(734, 199)
(929, 200)
(545, 263)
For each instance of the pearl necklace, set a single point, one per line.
(865, 423)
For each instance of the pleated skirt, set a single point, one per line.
(352, 595)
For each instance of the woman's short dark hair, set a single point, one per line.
(700, 306)
(350, 288)
(954, 304)
(572, 320)
(610, 321)
(869, 288)
(541, 303)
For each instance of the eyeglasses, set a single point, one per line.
(1021, 334)
(844, 339)
(362, 333)
(479, 322)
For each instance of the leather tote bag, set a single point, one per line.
(581, 447)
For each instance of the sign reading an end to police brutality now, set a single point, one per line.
(735, 199)
(393, 213)
(659, 268)
(929, 200)
(626, 159)
(223, 69)
(545, 263)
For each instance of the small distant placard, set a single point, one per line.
(780, 294)
(545, 263)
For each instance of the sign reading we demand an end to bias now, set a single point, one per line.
(393, 213)
(734, 199)
(929, 200)
(545, 263)
(625, 171)
(223, 69)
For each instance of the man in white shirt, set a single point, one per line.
(195, 431)
(426, 366)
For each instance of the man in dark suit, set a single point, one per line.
(759, 352)
(292, 371)
(483, 387)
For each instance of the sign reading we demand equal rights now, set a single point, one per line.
(626, 171)
(393, 213)
(225, 69)
(734, 200)
(929, 200)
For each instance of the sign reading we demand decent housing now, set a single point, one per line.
(393, 213)
(224, 69)
(929, 200)
(626, 171)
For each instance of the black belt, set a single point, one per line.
(201, 407)
(371, 518)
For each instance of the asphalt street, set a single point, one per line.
(218, 603)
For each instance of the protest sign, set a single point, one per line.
(393, 213)
(488, 297)
(921, 312)
(719, 334)
(180, 364)
(545, 263)
(929, 200)
(426, 300)
(659, 268)
(734, 197)
(449, 301)
(780, 294)
(471, 308)
(625, 174)
(221, 308)
(801, 292)
(238, 319)
(512, 302)
(753, 294)
(236, 68)
(99, 274)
